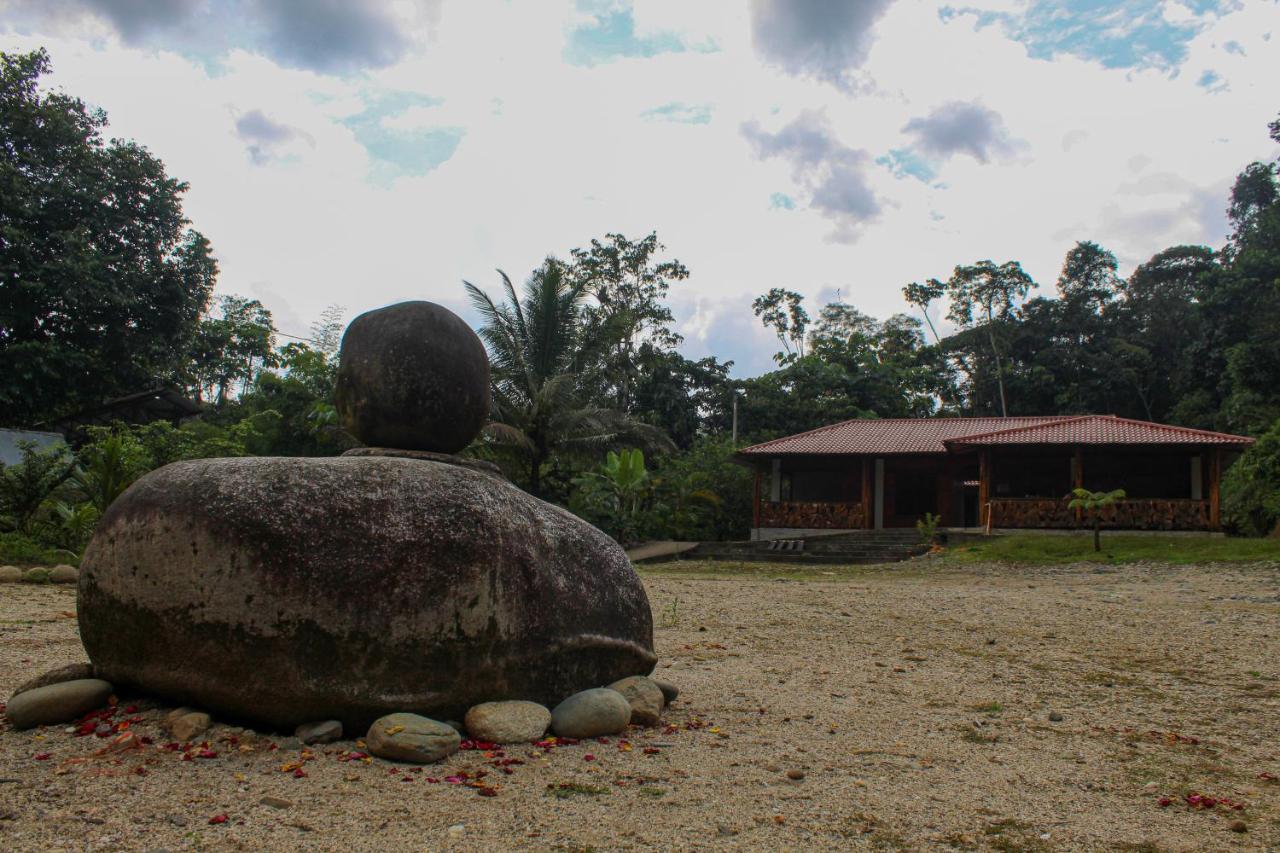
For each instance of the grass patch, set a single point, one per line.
(565, 790)
(651, 791)
(1117, 548)
(992, 708)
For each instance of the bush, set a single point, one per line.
(1251, 487)
(21, 550)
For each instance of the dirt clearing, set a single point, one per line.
(975, 707)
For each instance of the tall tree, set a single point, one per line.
(101, 281)
(783, 311)
(626, 285)
(983, 295)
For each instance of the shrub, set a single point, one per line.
(1251, 487)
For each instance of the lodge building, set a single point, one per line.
(987, 472)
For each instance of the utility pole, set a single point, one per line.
(735, 417)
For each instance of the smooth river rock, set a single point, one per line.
(591, 713)
(409, 737)
(283, 591)
(645, 697)
(413, 376)
(57, 703)
(515, 721)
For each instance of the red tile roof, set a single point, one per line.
(1100, 429)
(892, 436)
(888, 435)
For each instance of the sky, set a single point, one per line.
(363, 153)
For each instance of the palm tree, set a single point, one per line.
(537, 348)
(1093, 503)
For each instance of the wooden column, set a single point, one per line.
(1077, 477)
(867, 508)
(1215, 480)
(984, 485)
(755, 502)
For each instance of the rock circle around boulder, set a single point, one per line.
(669, 691)
(10, 574)
(591, 713)
(514, 721)
(57, 703)
(409, 737)
(644, 696)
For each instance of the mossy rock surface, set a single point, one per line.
(285, 591)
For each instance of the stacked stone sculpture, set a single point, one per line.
(396, 578)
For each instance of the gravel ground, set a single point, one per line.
(914, 705)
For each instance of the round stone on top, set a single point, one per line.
(413, 376)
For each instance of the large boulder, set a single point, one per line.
(284, 591)
(413, 376)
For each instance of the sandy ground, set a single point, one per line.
(915, 701)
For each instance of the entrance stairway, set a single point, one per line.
(858, 547)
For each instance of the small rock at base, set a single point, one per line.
(457, 727)
(36, 575)
(64, 574)
(70, 672)
(1239, 826)
(276, 802)
(795, 775)
(409, 737)
(57, 703)
(591, 713)
(326, 731)
(669, 690)
(645, 697)
(508, 722)
(1055, 717)
(186, 724)
(10, 574)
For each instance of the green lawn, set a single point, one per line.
(1045, 549)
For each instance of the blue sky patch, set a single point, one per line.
(903, 163)
(681, 113)
(1116, 33)
(398, 152)
(781, 201)
(1212, 81)
(613, 36)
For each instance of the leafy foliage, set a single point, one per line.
(1251, 488)
(1093, 503)
(101, 280)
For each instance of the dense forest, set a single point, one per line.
(106, 289)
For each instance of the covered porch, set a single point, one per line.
(1166, 489)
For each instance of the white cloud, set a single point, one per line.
(553, 155)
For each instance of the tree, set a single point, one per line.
(101, 281)
(1251, 487)
(1093, 503)
(537, 346)
(229, 348)
(991, 293)
(26, 486)
(326, 333)
(921, 296)
(783, 311)
(627, 285)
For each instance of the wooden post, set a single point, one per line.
(755, 502)
(984, 487)
(1215, 480)
(867, 498)
(1077, 477)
